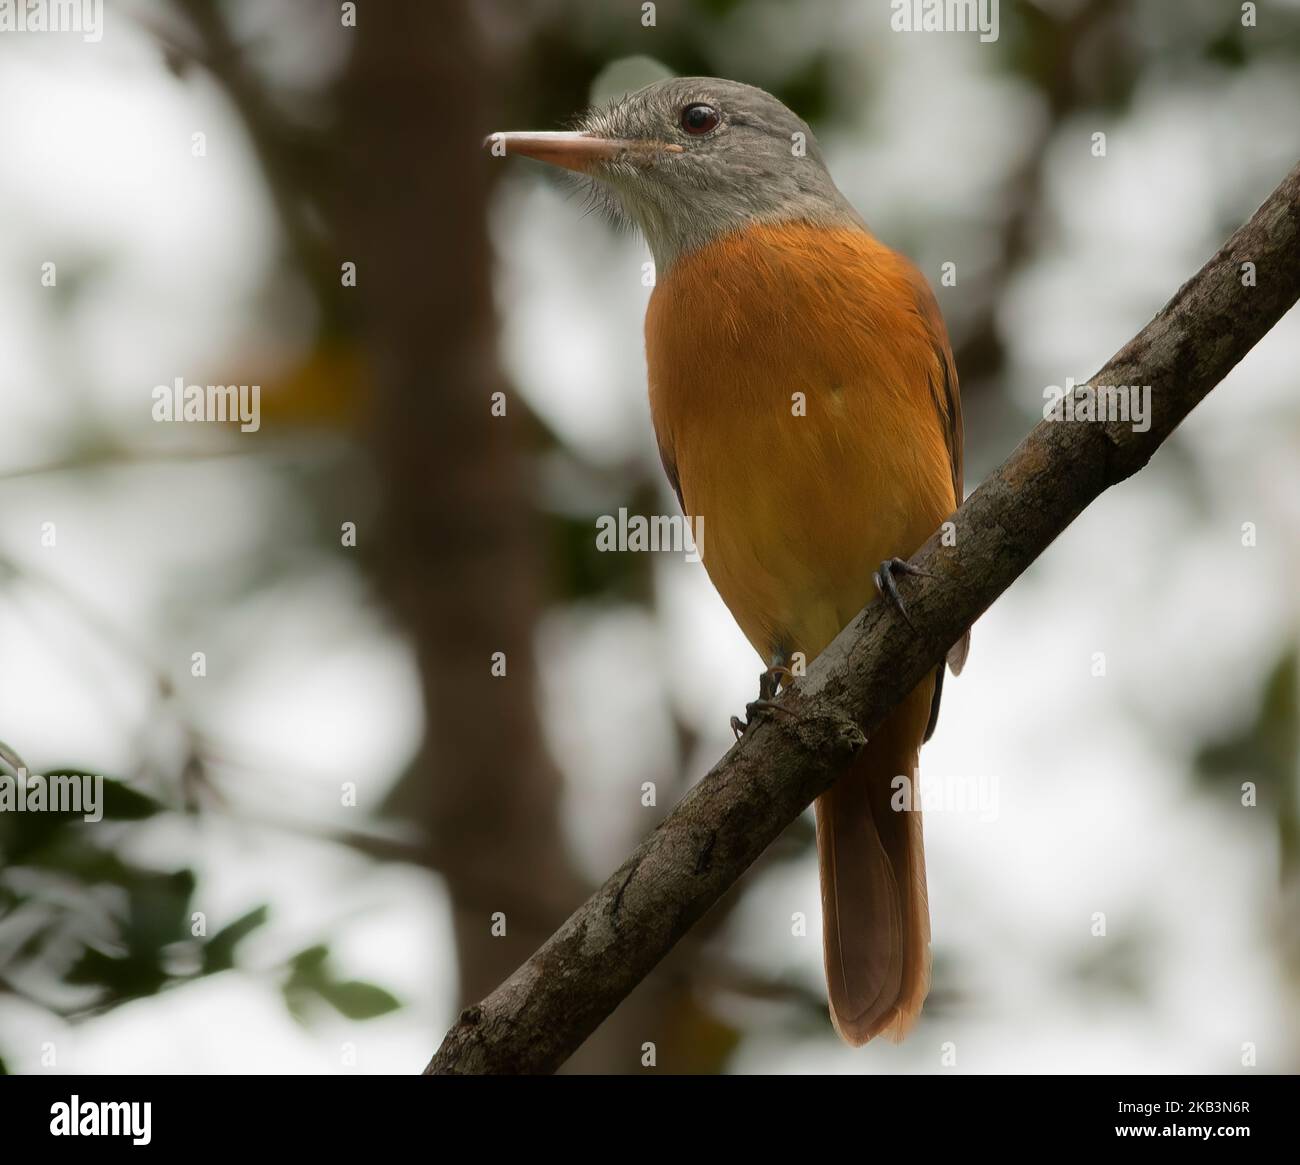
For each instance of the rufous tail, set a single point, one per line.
(875, 914)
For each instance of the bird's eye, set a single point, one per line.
(699, 119)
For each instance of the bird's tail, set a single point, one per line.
(876, 918)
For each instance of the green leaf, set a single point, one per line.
(1266, 748)
(31, 839)
(219, 950)
(123, 803)
(358, 1000)
(298, 1000)
(120, 978)
(308, 966)
(310, 981)
(159, 911)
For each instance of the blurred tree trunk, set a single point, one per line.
(405, 188)
(457, 558)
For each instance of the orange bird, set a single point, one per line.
(805, 403)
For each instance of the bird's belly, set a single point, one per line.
(792, 399)
(795, 519)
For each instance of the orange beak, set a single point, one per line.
(577, 151)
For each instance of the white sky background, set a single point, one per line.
(1095, 810)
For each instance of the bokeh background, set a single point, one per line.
(348, 794)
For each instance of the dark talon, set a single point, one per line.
(768, 683)
(888, 589)
(753, 710)
(780, 675)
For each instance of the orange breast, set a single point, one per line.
(796, 386)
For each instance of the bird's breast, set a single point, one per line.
(791, 375)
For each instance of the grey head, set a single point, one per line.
(691, 158)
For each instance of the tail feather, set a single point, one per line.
(875, 910)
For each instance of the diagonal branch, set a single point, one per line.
(537, 1017)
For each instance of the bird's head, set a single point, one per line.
(691, 158)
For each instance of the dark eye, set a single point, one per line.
(699, 119)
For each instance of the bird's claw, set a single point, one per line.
(888, 589)
(753, 710)
(769, 681)
(774, 677)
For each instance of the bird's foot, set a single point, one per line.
(754, 710)
(888, 589)
(769, 681)
(777, 674)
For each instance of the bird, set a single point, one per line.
(805, 405)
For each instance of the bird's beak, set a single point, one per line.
(578, 151)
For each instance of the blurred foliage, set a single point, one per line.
(579, 570)
(96, 918)
(1120, 965)
(87, 928)
(1266, 751)
(311, 979)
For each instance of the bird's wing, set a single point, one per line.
(947, 403)
(951, 413)
(943, 386)
(670, 471)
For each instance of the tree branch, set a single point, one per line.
(537, 1017)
